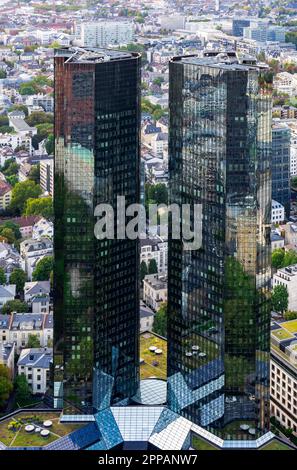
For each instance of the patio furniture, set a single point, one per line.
(29, 428)
(47, 424)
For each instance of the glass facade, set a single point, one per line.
(97, 158)
(218, 296)
(281, 192)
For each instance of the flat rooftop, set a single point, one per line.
(89, 55)
(228, 61)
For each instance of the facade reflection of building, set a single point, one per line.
(219, 156)
(97, 121)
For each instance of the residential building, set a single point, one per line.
(97, 159)
(7, 352)
(34, 363)
(43, 228)
(288, 277)
(281, 136)
(105, 33)
(218, 295)
(47, 175)
(154, 290)
(277, 241)
(5, 322)
(36, 288)
(40, 303)
(33, 251)
(154, 248)
(277, 213)
(7, 293)
(9, 259)
(25, 224)
(283, 374)
(25, 324)
(5, 195)
(289, 232)
(147, 316)
(285, 82)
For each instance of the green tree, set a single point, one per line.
(3, 74)
(42, 206)
(22, 389)
(49, 144)
(280, 298)
(4, 121)
(10, 168)
(7, 130)
(21, 193)
(34, 174)
(2, 277)
(18, 277)
(19, 107)
(14, 227)
(152, 268)
(33, 341)
(39, 117)
(26, 89)
(14, 306)
(43, 269)
(290, 315)
(143, 270)
(160, 321)
(8, 234)
(290, 258)
(6, 386)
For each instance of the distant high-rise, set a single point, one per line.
(97, 158)
(104, 33)
(218, 296)
(281, 141)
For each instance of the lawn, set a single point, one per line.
(290, 326)
(201, 444)
(276, 445)
(147, 369)
(20, 438)
(282, 334)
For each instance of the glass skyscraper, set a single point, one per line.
(281, 190)
(218, 295)
(97, 158)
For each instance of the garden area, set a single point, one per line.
(13, 431)
(276, 445)
(152, 364)
(201, 444)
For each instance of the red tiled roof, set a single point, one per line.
(22, 221)
(4, 187)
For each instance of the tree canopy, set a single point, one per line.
(14, 306)
(21, 193)
(43, 269)
(280, 298)
(160, 321)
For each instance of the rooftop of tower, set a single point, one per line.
(89, 55)
(222, 59)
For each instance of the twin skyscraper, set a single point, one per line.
(218, 295)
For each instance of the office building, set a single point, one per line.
(281, 141)
(283, 374)
(218, 295)
(238, 25)
(97, 158)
